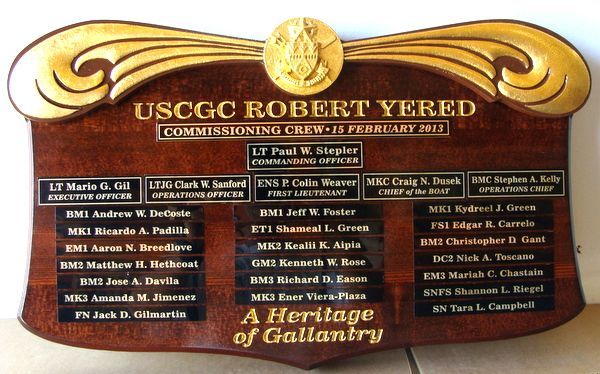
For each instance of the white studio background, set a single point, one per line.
(24, 21)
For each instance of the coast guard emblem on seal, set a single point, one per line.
(303, 56)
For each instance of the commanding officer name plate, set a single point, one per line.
(301, 199)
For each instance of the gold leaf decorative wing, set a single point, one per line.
(76, 68)
(519, 64)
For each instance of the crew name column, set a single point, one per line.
(309, 253)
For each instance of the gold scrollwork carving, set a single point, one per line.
(50, 80)
(79, 67)
(518, 64)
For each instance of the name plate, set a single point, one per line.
(301, 199)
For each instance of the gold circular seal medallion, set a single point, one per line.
(303, 56)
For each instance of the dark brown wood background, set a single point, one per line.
(109, 141)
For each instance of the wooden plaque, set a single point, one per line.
(301, 199)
